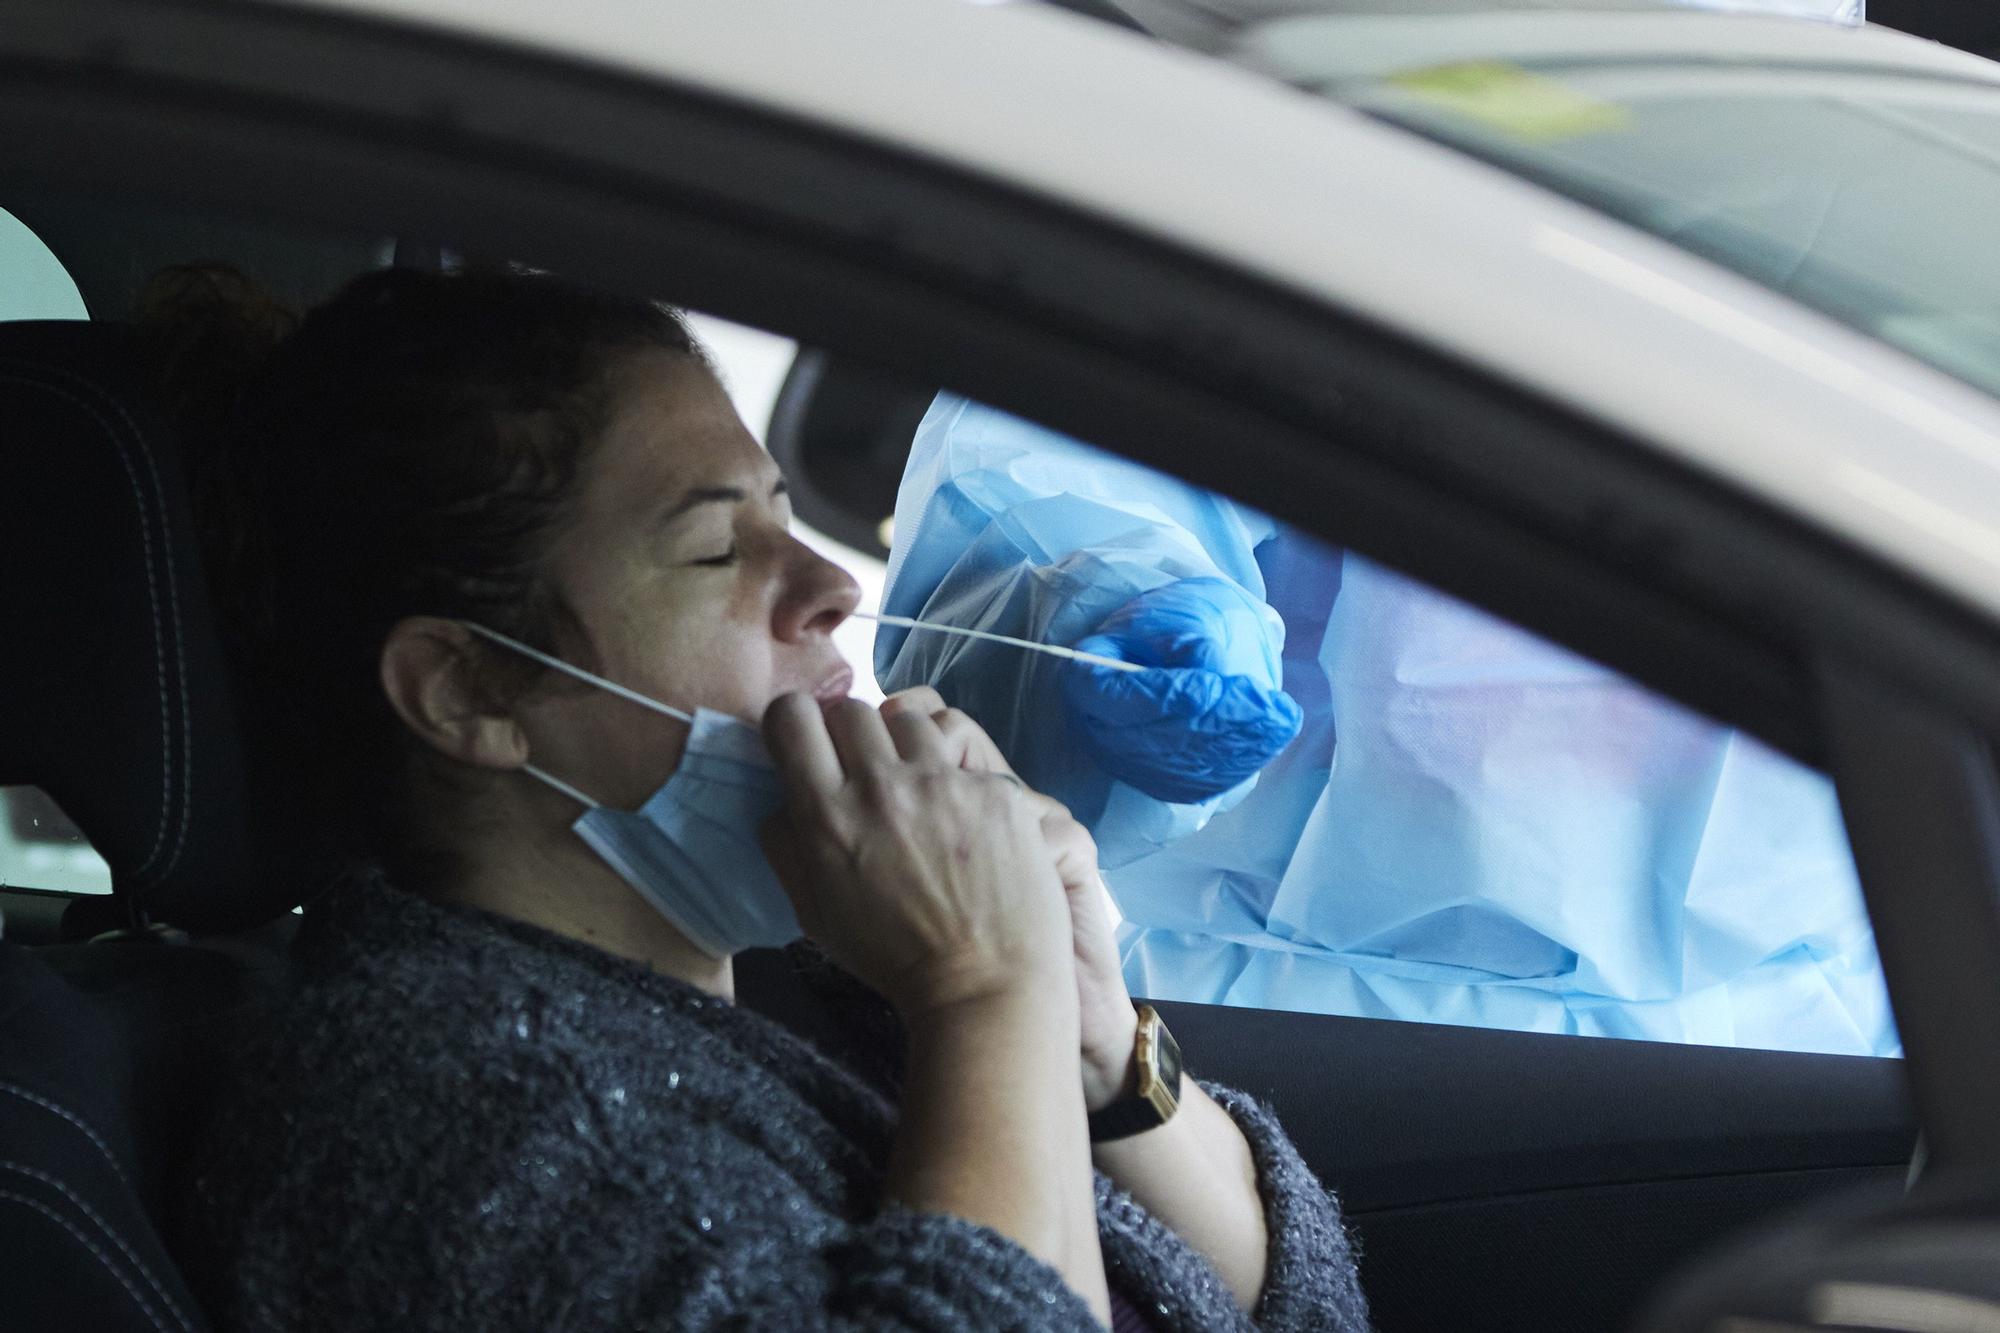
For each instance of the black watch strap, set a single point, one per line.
(1158, 1095)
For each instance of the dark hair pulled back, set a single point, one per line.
(409, 448)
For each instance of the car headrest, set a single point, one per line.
(114, 695)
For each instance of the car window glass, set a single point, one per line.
(1864, 195)
(33, 282)
(41, 849)
(1334, 789)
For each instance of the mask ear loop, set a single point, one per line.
(591, 677)
(561, 786)
(507, 641)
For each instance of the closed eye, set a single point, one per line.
(728, 557)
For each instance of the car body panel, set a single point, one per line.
(1795, 409)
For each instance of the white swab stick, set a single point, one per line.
(1054, 649)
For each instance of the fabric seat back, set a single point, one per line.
(114, 700)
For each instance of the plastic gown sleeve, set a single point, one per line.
(1002, 525)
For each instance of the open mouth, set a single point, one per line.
(835, 686)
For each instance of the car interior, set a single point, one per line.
(1476, 1166)
(1494, 1179)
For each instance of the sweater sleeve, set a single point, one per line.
(901, 1271)
(793, 1268)
(1310, 1282)
(514, 1193)
(1310, 1277)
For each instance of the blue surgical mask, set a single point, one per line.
(691, 850)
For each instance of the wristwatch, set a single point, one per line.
(1159, 1092)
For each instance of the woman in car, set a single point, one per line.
(510, 584)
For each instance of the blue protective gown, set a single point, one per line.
(1473, 826)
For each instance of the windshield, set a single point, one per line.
(1219, 26)
(1868, 194)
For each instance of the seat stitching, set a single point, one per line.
(152, 597)
(130, 1254)
(176, 631)
(90, 1245)
(179, 631)
(63, 1111)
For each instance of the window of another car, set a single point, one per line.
(39, 847)
(1863, 192)
(33, 282)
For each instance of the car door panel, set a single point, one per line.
(1583, 1259)
(1504, 1180)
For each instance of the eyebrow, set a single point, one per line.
(702, 495)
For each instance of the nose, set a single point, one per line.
(817, 596)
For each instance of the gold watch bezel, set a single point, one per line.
(1153, 1088)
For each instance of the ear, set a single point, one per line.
(427, 673)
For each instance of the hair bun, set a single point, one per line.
(208, 327)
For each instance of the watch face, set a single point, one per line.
(1159, 1064)
(1170, 1063)
(1159, 1091)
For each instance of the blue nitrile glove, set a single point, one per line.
(1205, 714)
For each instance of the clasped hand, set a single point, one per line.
(1204, 711)
(918, 860)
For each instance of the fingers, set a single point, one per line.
(793, 864)
(1048, 809)
(918, 739)
(1060, 829)
(816, 750)
(918, 698)
(970, 746)
(860, 736)
(802, 750)
(966, 743)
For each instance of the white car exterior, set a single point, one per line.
(1745, 384)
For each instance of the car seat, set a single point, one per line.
(115, 701)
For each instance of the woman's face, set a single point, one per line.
(680, 564)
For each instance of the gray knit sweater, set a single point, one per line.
(467, 1123)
